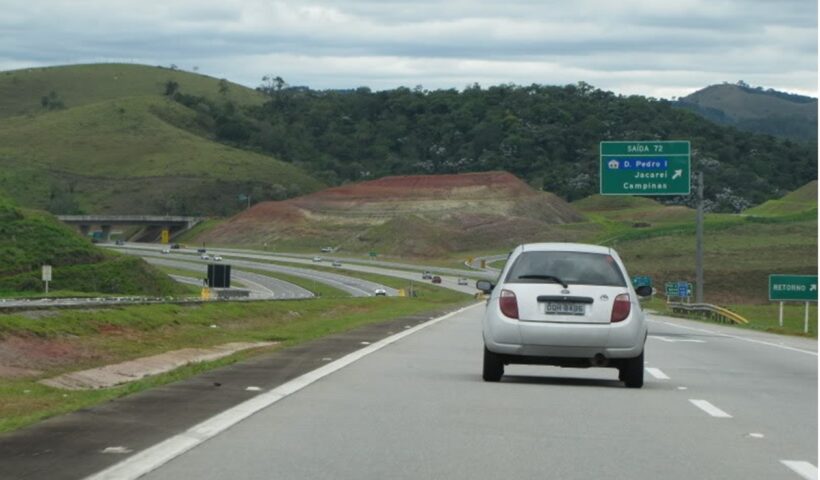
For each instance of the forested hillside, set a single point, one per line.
(547, 135)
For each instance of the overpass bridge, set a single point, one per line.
(167, 224)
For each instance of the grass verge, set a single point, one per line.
(92, 338)
(761, 317)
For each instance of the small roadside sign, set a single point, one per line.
(46, 273)
(645, 168)
(46, 276)
(795, 288)
(372, 254)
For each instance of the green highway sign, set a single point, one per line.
(798, 288)
(641, 280)
(645, 168)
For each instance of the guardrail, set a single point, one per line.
(713, 312)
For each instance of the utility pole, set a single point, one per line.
(699, 243)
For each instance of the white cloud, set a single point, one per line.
(630, 46)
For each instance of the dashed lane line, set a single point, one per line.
(804, 469)
(710, 409)
(657, 373)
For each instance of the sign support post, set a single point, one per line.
(806, 320)
(781, 315)
(699, 243)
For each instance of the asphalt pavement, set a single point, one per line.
(260, 286)
(354, 286)
(718, 403)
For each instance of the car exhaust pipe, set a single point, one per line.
(599, 360)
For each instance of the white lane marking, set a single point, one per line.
(165, 451)
(681, 388)
(755, 435)
(254, 389)
(676, 340)
(710, 409)
(804, 469)
(737, 337)
(117, 450)
(657, 373)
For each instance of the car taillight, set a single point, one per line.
(620, 308)
(508, 304)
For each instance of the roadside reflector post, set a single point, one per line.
(780, 317)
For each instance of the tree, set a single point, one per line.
(171, 87)
(52, 101)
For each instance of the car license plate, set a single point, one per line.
(560, 308)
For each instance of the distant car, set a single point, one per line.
(436, 279)
(317, 259)
(337, 263)
(204, 256)
(462, 281)
(426, 276)
(120, 242)
(175, 246)
(217, 258)
(166, 250)
(380, 292)
(567, 305)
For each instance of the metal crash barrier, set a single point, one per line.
(707, 310)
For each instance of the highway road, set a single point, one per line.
(354, 286)
(260, 286)
(718, 403)
(251, 260)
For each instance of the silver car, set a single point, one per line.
(568, 305)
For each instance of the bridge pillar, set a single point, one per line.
(106, 233)
(165, 235)
(84, 229)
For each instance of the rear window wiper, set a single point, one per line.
(546, 277)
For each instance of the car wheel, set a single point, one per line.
(493, 366)
(631, 372)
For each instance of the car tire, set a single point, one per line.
(493, 366)
(631, 372)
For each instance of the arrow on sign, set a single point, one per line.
(813, 287)
(678, 173)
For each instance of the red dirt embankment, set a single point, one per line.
(348, 213)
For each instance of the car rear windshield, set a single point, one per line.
(577, 268)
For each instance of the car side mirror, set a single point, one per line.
(485, 286)
(644, 291)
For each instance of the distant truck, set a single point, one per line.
(327, 249)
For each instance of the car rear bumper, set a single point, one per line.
(548, 351)
(570, 340)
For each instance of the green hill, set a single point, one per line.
(120, 145)
(30, 239)
(756, 110)
(21, 91)
(802, 200)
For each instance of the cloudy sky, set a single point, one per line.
(659, 48)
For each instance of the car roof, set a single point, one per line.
(565, 247)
